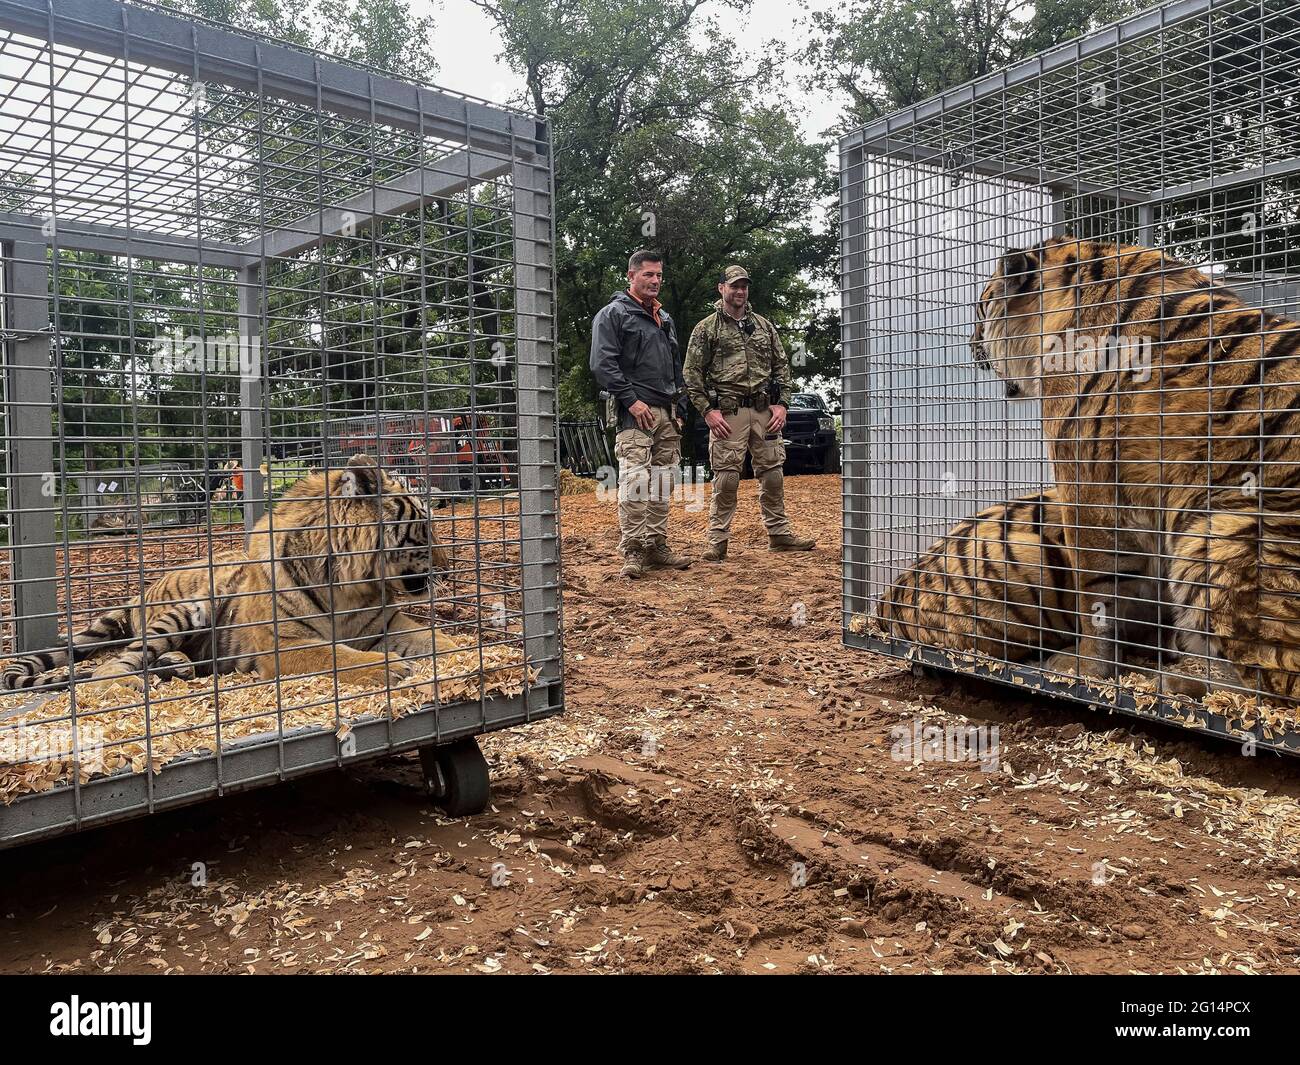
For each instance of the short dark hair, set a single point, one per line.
(643, 255)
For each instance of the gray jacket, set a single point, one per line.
(632, 358)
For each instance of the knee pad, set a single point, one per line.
(725, 484)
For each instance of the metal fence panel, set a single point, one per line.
(1159, 155)
(279, 363)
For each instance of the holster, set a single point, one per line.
(622, 418)
(732, 403)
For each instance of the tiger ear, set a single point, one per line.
(1018, 266)
(360, 478)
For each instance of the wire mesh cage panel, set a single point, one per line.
(1072, 373)
(279, 414)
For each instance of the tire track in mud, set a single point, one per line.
(715, 737)
(1048, 883)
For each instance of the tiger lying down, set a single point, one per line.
(314, 591)
(1000, 584)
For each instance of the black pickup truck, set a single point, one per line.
(810, 443)
(811, 446)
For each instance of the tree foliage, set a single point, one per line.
(886, 54)
(119, 403)
(668, 132)
(380, 33)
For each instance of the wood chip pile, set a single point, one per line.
(37, 752)
(573, 485)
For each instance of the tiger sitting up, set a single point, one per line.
(316, 589)
(1170, 408)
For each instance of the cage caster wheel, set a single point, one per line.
(456, 777)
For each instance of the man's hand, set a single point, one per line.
(642, 415)
(778, 418)
(717, 423)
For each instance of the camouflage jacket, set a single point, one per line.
(722, 358)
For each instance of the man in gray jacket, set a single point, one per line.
(636, 359)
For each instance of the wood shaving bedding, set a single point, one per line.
(37, 749)
(1242, 711)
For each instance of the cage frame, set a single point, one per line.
(890, 137)
(494, 142)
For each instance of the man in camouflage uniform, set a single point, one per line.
(635, 358)
(738, 378)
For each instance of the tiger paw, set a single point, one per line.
(1179, 684)
(386, 671)
(399, 668)
(1074, 665)
(1196, 677)
(173, 664)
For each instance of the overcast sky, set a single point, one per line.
(467, 53)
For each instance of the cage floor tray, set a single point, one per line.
(190, 719)
(1224, 715)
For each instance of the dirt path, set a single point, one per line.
(720, 796)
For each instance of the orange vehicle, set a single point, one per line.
(444, 454)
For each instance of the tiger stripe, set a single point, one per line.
(1000, 583)
(1223, 385)
(324, 569)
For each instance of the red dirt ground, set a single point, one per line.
(719, 796)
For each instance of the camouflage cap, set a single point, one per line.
(734, 273)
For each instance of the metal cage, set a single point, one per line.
(231, 266)
(1175, 131)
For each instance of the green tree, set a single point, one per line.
(886, 54)
(115, 405)
(668, 134)
(379, 33)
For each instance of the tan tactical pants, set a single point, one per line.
(727, 457)
(648, 459)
